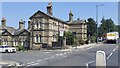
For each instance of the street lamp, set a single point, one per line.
(97, 18)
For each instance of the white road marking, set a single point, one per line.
(89, 47)
(87, 64)
(115, 48)
(64, 52)
(61, 54)
(52, 56)
(46, 52)
(33, 64)
(109, 55)
(76, 50)
(46, 59)
(65, 56)
(22, 65)
(39, 60)
(57, 54)
(30, 62)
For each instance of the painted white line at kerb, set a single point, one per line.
(109, 55)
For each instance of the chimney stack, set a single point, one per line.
(21, 24)
(29, 23)
(49, 8)
(3, 22)
(70, 16)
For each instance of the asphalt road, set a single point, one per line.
(74, 57)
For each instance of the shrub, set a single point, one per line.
(20, 47)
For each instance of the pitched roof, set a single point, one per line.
(50, 16)
(76, 21)
(19, 31)
(11, 30)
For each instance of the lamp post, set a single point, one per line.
(97, 19)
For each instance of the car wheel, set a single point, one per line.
(6, 51)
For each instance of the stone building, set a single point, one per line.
(78, 27)
(44, 27)
(14, 37)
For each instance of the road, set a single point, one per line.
(74, 57)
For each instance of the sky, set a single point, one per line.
(14, 11)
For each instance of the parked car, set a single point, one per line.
(7, 49)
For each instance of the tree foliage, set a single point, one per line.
(118, 29)
(107, 25)
(91, 29)
(70, 38)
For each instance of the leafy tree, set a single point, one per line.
(91, 29)
(118, 29)
(106, 26)
(70, 38)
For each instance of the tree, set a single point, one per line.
(118, 29)
(70, 38)
(91, 29)
(106, 26)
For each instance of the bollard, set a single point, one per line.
(100, 59)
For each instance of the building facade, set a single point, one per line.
(45, 28)
(78, 27)
(14, 37)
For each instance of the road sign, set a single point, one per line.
(100, 59)
(61, 32)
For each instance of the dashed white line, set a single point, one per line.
(30, 62)
(52, 56)
(46, 52)
(65, 56)
(33, 64)
(46, 59)
(61, 54)
(57, 54)
(39, 60)
(64, 52)
(109, 55)
(115, 49)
